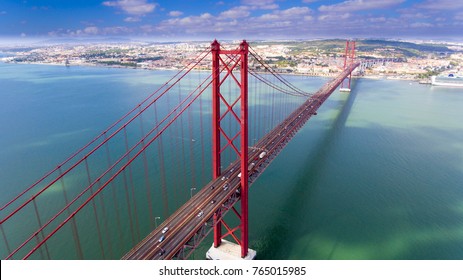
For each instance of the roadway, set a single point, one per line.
(196, 214)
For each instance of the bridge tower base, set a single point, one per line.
(229, 251)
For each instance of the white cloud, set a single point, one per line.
(206, 16)
(116, 30)
(295, 11)
(187, 23)
(421, 25)
(359, 5)
(91, 30)
(377, 19)
(132, 7)
(292, 21)
(260, 4)
(308, 18)
(268, 17)
(334, 17)
(175, 13)
(280, 18)
(294, 14)
(412, 14)
(252, 19)
(238, 21)
(236, 12)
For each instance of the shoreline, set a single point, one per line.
(371, 77)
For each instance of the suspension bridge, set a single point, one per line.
(107, 200)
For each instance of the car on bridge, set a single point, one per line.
(251, 166)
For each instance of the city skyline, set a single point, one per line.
(162, 20)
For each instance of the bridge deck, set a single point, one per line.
(193, 221)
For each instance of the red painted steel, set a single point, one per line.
(244, 148)
(219, 99)
(349, 55)
(215, 51)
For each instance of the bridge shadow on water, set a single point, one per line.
(272, 245)
(398, 199)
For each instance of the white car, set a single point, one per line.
(165, 230)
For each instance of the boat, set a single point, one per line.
(449, 80)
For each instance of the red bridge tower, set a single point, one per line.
(225, 62)
(348, 60)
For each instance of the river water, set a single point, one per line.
(377, 174)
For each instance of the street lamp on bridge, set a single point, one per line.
(191, 192)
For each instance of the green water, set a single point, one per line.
(377, 174)
(381, 179)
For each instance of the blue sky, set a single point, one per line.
(165, 20)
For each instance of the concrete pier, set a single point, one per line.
(228, 251)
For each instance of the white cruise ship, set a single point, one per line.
(450, 80)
